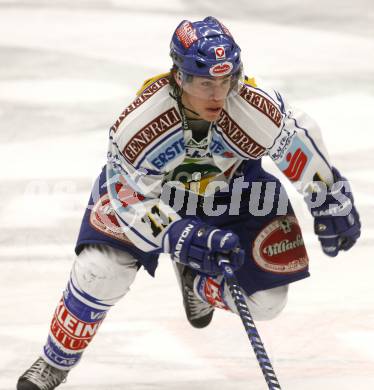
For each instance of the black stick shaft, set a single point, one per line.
(249, 325)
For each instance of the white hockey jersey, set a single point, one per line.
(149, 147)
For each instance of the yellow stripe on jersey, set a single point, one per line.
(250, 81)
(150, 81)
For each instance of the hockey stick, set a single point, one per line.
(249, 325)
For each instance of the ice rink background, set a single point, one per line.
(67, 69)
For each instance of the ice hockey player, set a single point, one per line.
(184, 177)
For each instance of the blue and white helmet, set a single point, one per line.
(205, 48)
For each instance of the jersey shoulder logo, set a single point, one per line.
(262, 104)
(238, 137)
(151, 131)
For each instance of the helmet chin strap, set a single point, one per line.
(184, 107)
(177, 95)
(188, 109)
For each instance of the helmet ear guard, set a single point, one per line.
(178, 76)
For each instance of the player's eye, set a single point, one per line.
(206, 84)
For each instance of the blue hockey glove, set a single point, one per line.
(336, 221)
(198, 245)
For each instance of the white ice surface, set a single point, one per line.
(67, 68)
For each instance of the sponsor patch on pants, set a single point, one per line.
(279, 247)
(103, 219)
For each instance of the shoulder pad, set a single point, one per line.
(252, 119)
(148, 89)
(263, 101)
(150, 81)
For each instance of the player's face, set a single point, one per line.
(206, 96)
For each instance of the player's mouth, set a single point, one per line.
(214, 110)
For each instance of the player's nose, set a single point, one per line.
(217, 93)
